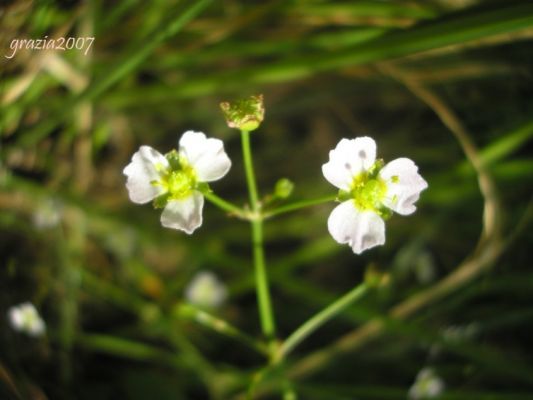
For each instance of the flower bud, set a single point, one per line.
(246, 114)
(283, 188)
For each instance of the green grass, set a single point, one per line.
(109, 280)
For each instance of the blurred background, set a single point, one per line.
(447, 83)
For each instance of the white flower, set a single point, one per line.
(427, 385)
(48, 214)
(205, 290)
(25, 318)
(173, 180)
(460, 333)
(370, 192)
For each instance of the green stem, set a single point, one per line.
(127, 348)
(257, 378)
(224, 205)
(249, 169)
(70, 264)
(105, 290)
(219, 325)
(288, 391)
(299, 205)
(191, 356)
(261, 278)
(320, 319)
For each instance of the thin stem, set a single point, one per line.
(115, 295)
(320, 319)
(225, 205)
(192, 357)
(219, 325)
(261, 279)
(288, 391)
(249, 169)
(70, 277)
(298, 205)
(256, 380)
(127, 348)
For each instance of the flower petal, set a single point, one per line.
(348, 159)
(206, 156)
(404, 185)
(142, 171)
(362, 230)
(185, 214)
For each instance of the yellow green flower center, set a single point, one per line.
(178, 179)
(179, 183)
(368, 192)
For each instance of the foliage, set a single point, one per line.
(446, 83)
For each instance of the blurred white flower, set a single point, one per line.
(425, 268)
(460, 333)
(173, 180)
(427, 385)
(369, 191)
(205, 290)
(47, 214)
(25, 318)
(413, 258)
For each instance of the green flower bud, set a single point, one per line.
(246, 114)
(283, 188)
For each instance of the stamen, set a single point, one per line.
(180, 180)
(369, 190)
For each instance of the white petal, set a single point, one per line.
(348, 159)
(37, 327)
(206, 156)
(404, 185)
(15, 317)
(145, 167)
(362, 230)
(427, 385)
(185, 215)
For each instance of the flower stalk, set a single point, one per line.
(225, 205)
(298, 205)
(261, 278)
(315, 322)
(218, 325)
